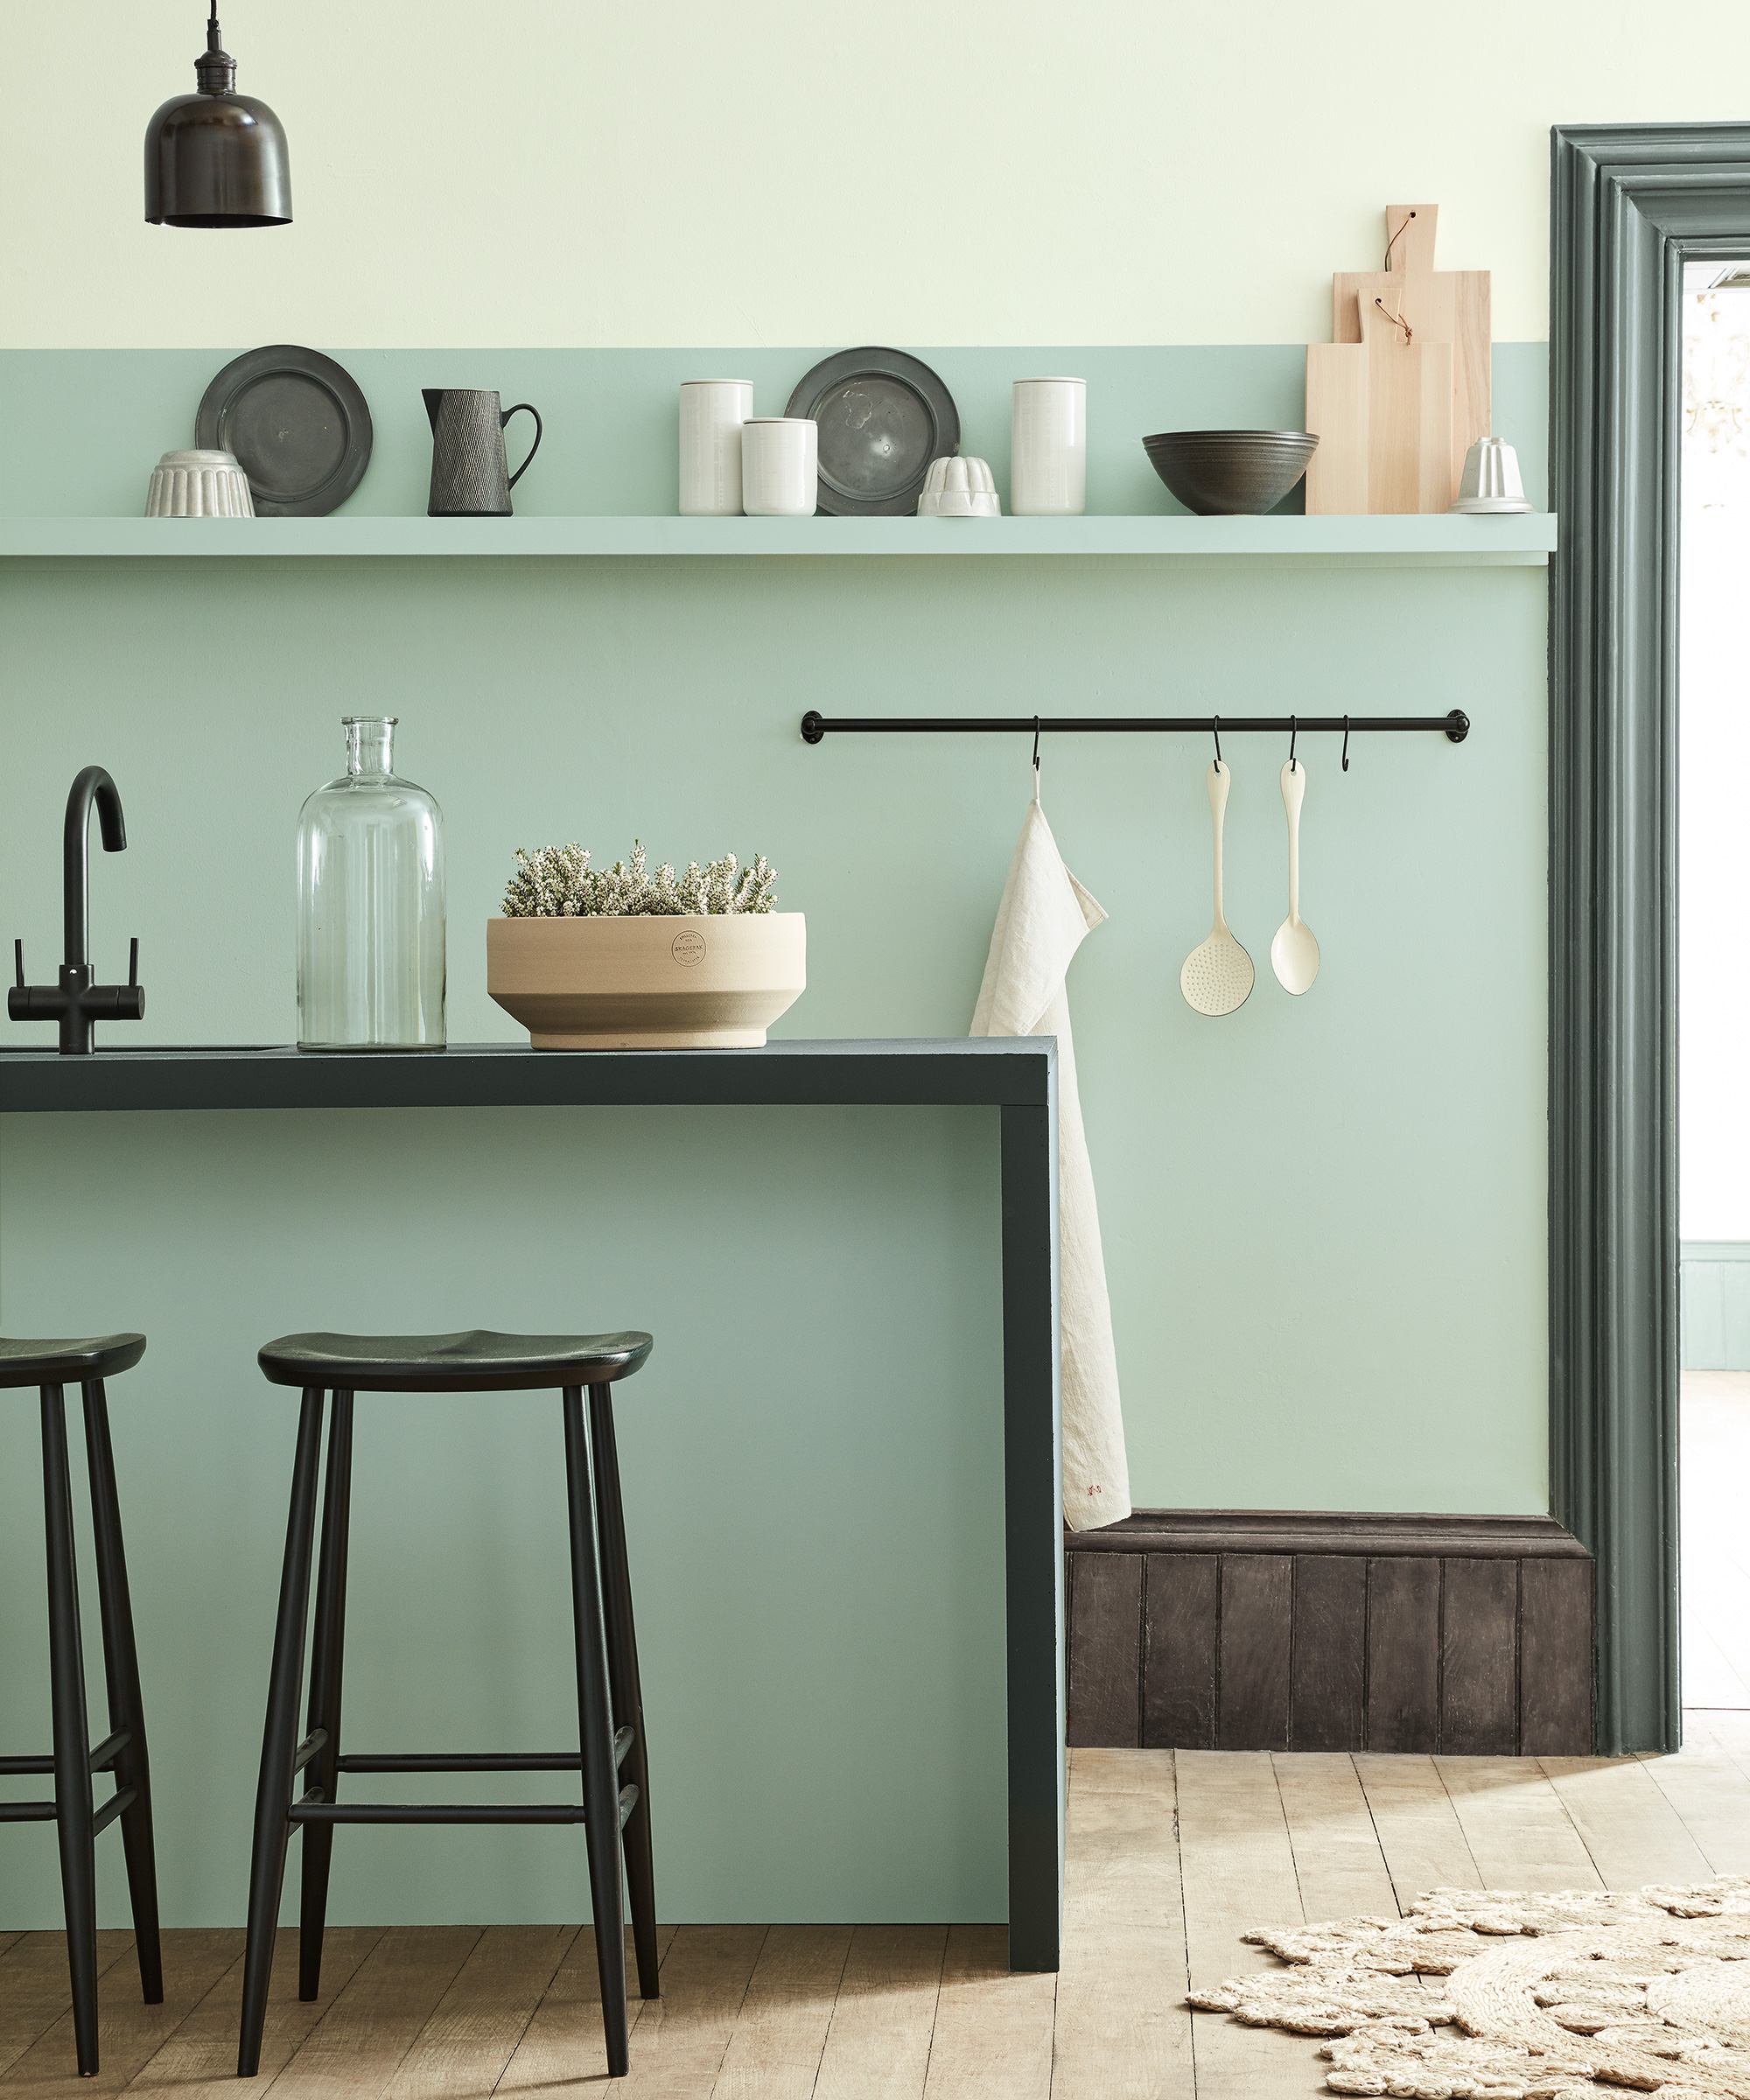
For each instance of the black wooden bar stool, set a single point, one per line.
(610, 1714)
(52, 1366)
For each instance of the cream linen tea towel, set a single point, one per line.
(1044, 916)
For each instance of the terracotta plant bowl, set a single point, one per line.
(1230, 473)
(656, 984)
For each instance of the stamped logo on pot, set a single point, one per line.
(689, 947)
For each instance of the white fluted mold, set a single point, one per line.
(1491, 481)
(959, 488)
(199, 485)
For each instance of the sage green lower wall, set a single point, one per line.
(1324, 1217)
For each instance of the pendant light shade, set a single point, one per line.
(217, 157)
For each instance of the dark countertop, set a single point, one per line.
(1003, 1071)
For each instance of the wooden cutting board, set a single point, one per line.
(1441, 306)
(1383, 410)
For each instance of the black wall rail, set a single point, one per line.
(1455, 726)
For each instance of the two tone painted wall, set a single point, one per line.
(1323, 1218)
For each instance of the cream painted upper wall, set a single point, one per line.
(543, 172)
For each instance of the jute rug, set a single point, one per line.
(1487, 1997)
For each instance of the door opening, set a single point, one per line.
(1713, 992)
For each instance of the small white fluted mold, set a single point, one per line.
(1491, 478)
(199, 485)
(959, 488)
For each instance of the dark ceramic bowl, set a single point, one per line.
(1230, 473)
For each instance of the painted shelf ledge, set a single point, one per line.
(1362, 543)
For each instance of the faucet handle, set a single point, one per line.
(18, 962)
(133, 961)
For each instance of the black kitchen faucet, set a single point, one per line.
(76, 1002)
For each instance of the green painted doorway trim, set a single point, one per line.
(1630, 205)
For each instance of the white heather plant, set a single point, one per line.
(558, 882)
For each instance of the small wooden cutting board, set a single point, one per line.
(1383, 410)
(1441, 306)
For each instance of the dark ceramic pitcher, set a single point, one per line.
(468, 471)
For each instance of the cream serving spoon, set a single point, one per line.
(1294, 952)
(1217, 977)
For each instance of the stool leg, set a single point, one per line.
(323, 1770)
(595, 1730)
(72, 1738)
(122, 1672)
(279, 1740)
(622, 1670)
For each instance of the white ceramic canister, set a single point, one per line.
(712, 412)
(198, 485)
(780, 466)
(1048, 459)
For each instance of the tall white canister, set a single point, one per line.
(1048, 456)
(712, 412)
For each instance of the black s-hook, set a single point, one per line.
(1215, 723)
(1293, 732)
(1346, 723)
(1036, 737)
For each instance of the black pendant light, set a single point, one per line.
(217, 157)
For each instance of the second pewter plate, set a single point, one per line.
(883, 416)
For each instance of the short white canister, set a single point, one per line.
(712, 412)
(1048, 457)
(780, 466)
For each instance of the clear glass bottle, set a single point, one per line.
(370, 904)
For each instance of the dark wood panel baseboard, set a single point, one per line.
(1333, 1531)
(1318, 1630)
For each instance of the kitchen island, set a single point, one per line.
(1016, 1076)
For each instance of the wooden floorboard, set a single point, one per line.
(1519, 1833)
(1421, 1839)
(130, 2034)
(563, 2053)
(33, 1985)
(358, 2045)
(201, 2055)
(1237, 1861)
(1338, 1863)
(877, 2047)
(1171, 1856)
(1121, 1864)
(1628, 1824)
(1711, 1794)
(775, 2051)
(681, 2038)
(1122, 2029)
(463, 2050)
(992, 2038)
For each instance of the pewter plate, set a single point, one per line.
(297, 424)
(883, 417)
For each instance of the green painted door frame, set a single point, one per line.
(1630, 204)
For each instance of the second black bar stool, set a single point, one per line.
(52, 1367)
(610, 1714)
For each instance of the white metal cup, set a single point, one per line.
(780, 466)
(1048, 455)
(712, 412)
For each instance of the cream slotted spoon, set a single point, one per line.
(1217, 977)
(1294, 952)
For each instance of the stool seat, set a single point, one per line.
(68, 1362)
(478, 1361)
